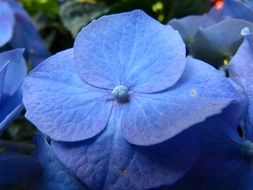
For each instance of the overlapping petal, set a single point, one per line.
(61, 105)
(201, 92)
(110, 162)
(55, 175)
(129, 49)
(6, 23)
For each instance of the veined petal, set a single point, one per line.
(110, 162)
(129, 49)
(61, 105)
(201, 92)
(6, 23)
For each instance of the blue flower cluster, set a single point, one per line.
(133, 105)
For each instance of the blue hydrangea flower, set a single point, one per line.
(125, 84)
(7, 21)
(20, 32)
(12, 74)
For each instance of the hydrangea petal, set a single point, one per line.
(237, 9)
(54, 95)
(201, 92)
(189, 25)
(14, 63)
(110, 162)
(6, 23)
(55, 175)
(129, 49)
(212, 44)
(241, 69)
(18, 169)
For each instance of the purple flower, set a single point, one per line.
(124, 90)
(12, 74)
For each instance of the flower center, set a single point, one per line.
(120, 93)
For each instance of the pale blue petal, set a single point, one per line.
(110, 162)
(6, 23)
(55, 175)
(61, 105)
(130, 49)
(201, 92)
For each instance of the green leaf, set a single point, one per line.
(76, 14)
(35, 6)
